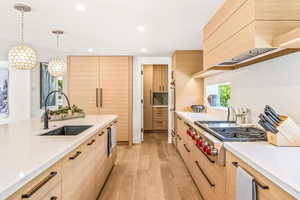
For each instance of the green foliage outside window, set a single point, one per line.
(225, 91)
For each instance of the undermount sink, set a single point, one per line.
(67, 130)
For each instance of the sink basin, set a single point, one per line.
(216, 122)
(67, 130)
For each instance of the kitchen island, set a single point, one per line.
(276, 166)
(25, 155)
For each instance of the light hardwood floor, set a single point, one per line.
(150, 171)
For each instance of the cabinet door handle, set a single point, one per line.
(101, 97)
(163, 88)
(150, 97)
(39, 185)
(160, 88)
(53, 198)
(92, 142)
(97, 97)
(202, 172)
(75, 156)
(264, 187)
(187, 149)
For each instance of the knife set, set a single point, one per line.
(281, 129)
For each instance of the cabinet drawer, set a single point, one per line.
(54, 194)
(214, 173)
(40, 186)
(160, 110)
(272, 193)
(160, 124)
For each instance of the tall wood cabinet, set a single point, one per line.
(148, 91)
(188, 91)
(155, 81)
(103, 85)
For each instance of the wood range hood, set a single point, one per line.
(244, 32)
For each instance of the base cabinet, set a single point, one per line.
(272, 193)
(78, 176)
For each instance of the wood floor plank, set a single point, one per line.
(150, 171)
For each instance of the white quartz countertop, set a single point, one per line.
(279, 164)
(24, 154)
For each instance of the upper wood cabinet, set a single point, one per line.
(244, 26)
(103, 85)
(160, 78)
(188, 91)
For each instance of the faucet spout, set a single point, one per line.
(46, 118)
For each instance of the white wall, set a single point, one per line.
(19, 94)
(137, 92)
(275, 82)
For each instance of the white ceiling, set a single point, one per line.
(108, 26)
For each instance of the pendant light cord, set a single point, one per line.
(22, 26)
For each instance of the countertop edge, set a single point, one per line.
(286, 187)
(11, 189)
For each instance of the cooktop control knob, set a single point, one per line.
(205, 146)
(214, 151)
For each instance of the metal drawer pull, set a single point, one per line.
(187, 149)
(92, 142)
(179, 137)
(264, 187)
(207, 179)
(173, 133)
(53, 198)
(39, 185)
(75, 156)
(208, 158)
(100, 134)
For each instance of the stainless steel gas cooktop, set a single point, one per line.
(229, 131)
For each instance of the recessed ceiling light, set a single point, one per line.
(141, 28)
(80, 7)
(144, 50)
(90, 50)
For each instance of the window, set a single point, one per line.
(218, 95)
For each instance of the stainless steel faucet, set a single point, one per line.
(46, 118)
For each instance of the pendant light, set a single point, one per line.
(57, 66)
(22, 57)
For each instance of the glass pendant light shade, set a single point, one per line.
(57, 67)
(22, 57)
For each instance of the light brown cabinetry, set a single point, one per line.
(79, 175)
(209, 177)
(160, 78)
(155, 81)
(103, 85)
(148, 91)
(160, 118)
(47, 184)
(188, 91)
(273, 192)
(249, 25)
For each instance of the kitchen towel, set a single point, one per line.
(109, 142)
(113, 135)
(246, 185)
